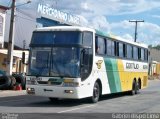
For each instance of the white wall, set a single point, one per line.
(3, 14)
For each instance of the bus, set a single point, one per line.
(73, 62)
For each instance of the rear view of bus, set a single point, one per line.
(60, 61)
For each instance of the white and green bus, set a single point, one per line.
(73, 62)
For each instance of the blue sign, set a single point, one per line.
(58, 15)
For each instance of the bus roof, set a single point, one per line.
(113, 37)
(65, 28)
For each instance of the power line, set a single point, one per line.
(29, 19)
(32, 20)
(26, 14)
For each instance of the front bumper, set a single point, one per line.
(55, 91)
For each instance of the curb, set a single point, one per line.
(10, 93)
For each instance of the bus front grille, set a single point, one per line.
(49, 83)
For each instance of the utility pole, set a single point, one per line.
(24, 44)
(11, 40)
(136, 21)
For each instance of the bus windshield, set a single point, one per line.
(54, 61)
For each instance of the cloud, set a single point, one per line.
(100, 7)
(128, 37)
(148, 33)
(94, 14)
(101, 23)
(156, 16)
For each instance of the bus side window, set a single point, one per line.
(146, 55)
(87, 38)
(142, 54)
(139, 54)
(124, 50)
(109, 47)
(120, 50)
(100, 46)
(114, 48)
(96, 44)
(129, 51)
(135, 53)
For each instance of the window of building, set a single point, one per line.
(1, 25)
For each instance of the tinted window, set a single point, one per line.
(146, 55)
(129, 51)
(57, 37)
(139, 53)
(113, 48)
(135, 53)
(100, 46)
(120, 49)
(109, 47)
(87, 38)
(142, 54)
(124, 50)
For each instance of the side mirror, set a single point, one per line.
(23, 57)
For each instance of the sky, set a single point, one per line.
(110, 16)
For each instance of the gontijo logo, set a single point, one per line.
(99, 63)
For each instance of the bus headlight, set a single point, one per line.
(31, 82)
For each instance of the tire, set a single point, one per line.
(96, 93)
(138, 87)
(13, 82)
(134, 88)
(5, 82)
(53, 99)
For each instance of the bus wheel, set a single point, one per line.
(138, 87)
(53, 99)
(134, 88)
(96, 93)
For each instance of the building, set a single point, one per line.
(53, 17)
(18, 66)
(155, 55)
(2, 24)
(49, 16)
(154, 62)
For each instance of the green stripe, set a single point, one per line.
(113, 75)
